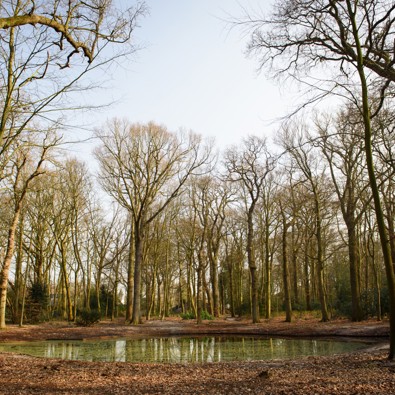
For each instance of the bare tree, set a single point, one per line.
(303, 39)
(25, 167)
(103, 235)
(234, 257)
(187, 245)
(209, 200)
(220, 196)
(300, 37)
(144, 167)
(248, 166)
(267, 229)
(61, 224)
(306, 162)
(200, 208)
(38, 244)
(74, 26)
(46, 50)
(340, 143)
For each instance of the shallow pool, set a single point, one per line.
(182, 349)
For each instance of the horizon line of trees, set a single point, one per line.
(248, 233)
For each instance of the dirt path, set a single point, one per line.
(367, 372)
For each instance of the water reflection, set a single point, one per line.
(182, 349)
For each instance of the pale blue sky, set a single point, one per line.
(192, 73)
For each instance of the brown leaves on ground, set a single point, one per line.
(367, 372)
(361, 373)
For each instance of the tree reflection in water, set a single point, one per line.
(183, 349)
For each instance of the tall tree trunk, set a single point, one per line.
(97, 286)
(268, 274)
(294, 266)
(151, 288)
(114, 310)
(66, 283)
(18, 272)
(159, 296)
(214, 280)
(231, 285)
(389, 268)
(4, 274)
(180, 283)
(254, 296)
(287, 293)
(356, 313)
(200, 290)
(88, 283)
(307, 279)
(190, 287)
(167, 281)
(138, 260)
(252, 267)
(370, 247)
(75, 296)
(24, 288)
(208, 300)
(129, 288)
(320, 261)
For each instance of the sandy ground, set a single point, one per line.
(366, 372)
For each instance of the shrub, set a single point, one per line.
(191, 316)
(369, 303)
(87, 317)
(343, 304)
(385, 301)
(243, 309)
(206, 315)
(188, 315)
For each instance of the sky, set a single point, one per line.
(192, 73)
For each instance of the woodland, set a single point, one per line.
(303, 222)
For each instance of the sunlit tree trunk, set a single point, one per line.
(213, 256)
(66, 282)
(190, 286)
(252, 266)
(200, 273)
(4, 274)
(138, 262)
(129, 288)
(18, 286)
(150, 285)
(306, 271)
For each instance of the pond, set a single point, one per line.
(182, 349)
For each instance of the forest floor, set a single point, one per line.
(363, 372)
